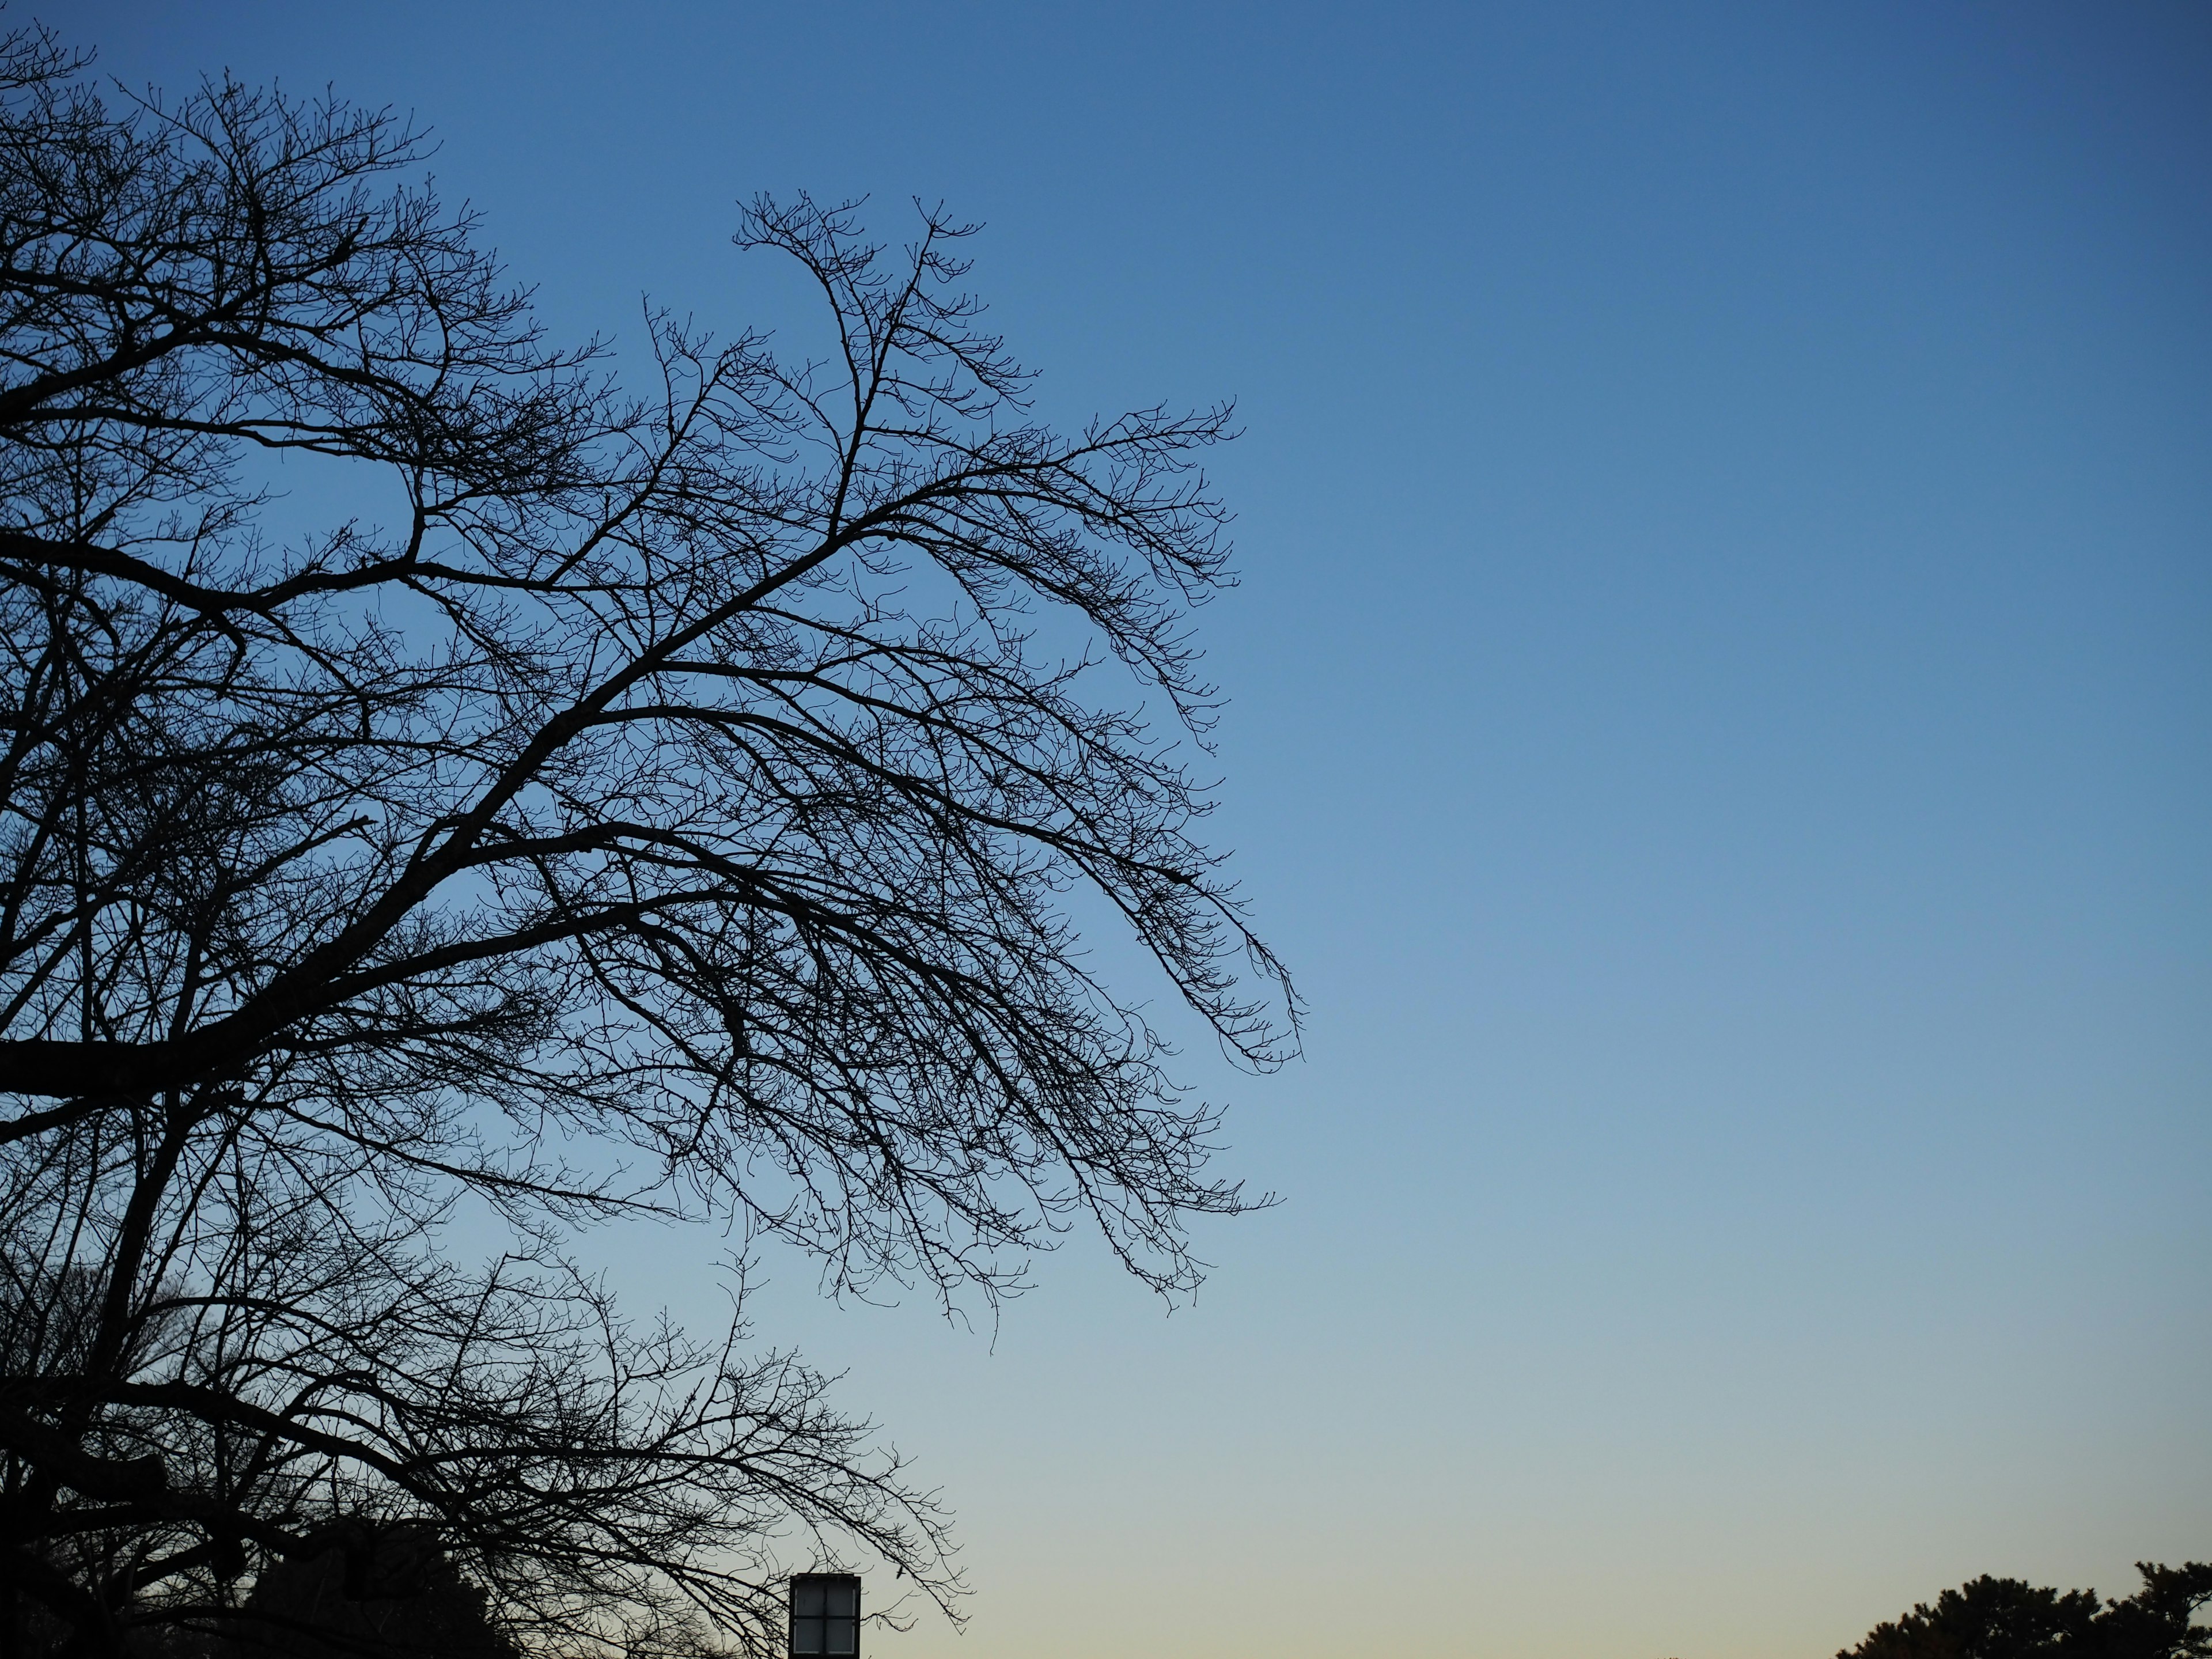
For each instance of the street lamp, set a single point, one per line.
(825, 1615)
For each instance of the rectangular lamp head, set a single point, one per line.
(825, 1615)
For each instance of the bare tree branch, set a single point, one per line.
(679, 809)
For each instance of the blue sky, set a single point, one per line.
(1721, 724)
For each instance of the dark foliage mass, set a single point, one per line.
(2007, 1619)
(633, 804)
(395, 1594)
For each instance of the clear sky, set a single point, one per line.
(1722, 726)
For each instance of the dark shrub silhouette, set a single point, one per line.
(369, 1598)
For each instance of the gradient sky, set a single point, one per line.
(1722, 726)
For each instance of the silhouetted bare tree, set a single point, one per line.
(658, 804)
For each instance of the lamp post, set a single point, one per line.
(825, 1615)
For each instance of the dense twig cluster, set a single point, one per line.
(664, 805)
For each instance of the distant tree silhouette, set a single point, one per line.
(660, 804)
(2007, 1619)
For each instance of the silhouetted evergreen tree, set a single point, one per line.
(2007, 1619)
